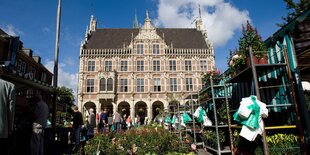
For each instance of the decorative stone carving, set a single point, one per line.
(164, 76)
(196, 75)
(147, 58)
(106, 96)
(147, 76)
(181, 75)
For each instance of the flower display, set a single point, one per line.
(212, 73)
(236, 61)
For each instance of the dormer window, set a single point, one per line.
(139, 48)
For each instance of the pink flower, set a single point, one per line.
(231, 62)
(193, 146)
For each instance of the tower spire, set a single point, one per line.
(147, 14)
(135, 22)
(147, 22)
(199, 22)
(93, 23)
(199, 11)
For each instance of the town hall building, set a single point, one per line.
(141, 70)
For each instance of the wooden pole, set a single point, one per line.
(266, 150)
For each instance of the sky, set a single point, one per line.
(35, 22)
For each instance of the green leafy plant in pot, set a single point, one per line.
(250, 37)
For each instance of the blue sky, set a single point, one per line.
(35, 22)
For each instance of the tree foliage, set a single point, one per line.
(250, 37)
(295, 9)
(65, 95)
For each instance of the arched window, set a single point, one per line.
(102, 84)
(110, 84)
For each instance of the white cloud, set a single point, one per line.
(221, 19)
(70, 61)
(66, 79)
(11, 30)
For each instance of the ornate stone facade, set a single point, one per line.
(139, 71)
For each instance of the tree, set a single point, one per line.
(296, 8)
(250, 37)
(65, 96)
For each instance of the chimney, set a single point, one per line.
(28, 52)
(37, 59)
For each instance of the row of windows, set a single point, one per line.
(21, 67)
(156, 65)
(108, 85)
(140, 49)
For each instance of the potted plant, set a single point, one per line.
(283, 144)
(222, 114)
(250, 37)
(207, 136)
(236, 62)
(206, 76)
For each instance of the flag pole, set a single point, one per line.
(55, 78)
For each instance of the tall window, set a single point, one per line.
(110, 84)
(156, 65)
(23, 67)
(189, 84)
(139, 48)
(43, 76)
(34, 72)
(188, 65)
(91, 66)
(173, 84)
(124, 65)
(140, 65)
(140, 85)
(19, 65)
(172, 65)
(157, 87)
(155, 48)
(203, 65)
(124, 85)
(90, 85)
(108, 65)
(102, 84)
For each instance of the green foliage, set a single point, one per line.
(295, 9)
(250, 37)
(236, 61)
(222, 114)
(207, 75)
(147, 139)
(65, 95)
(210, 138)
(236, 138)
(281, 144)
(204, 96)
